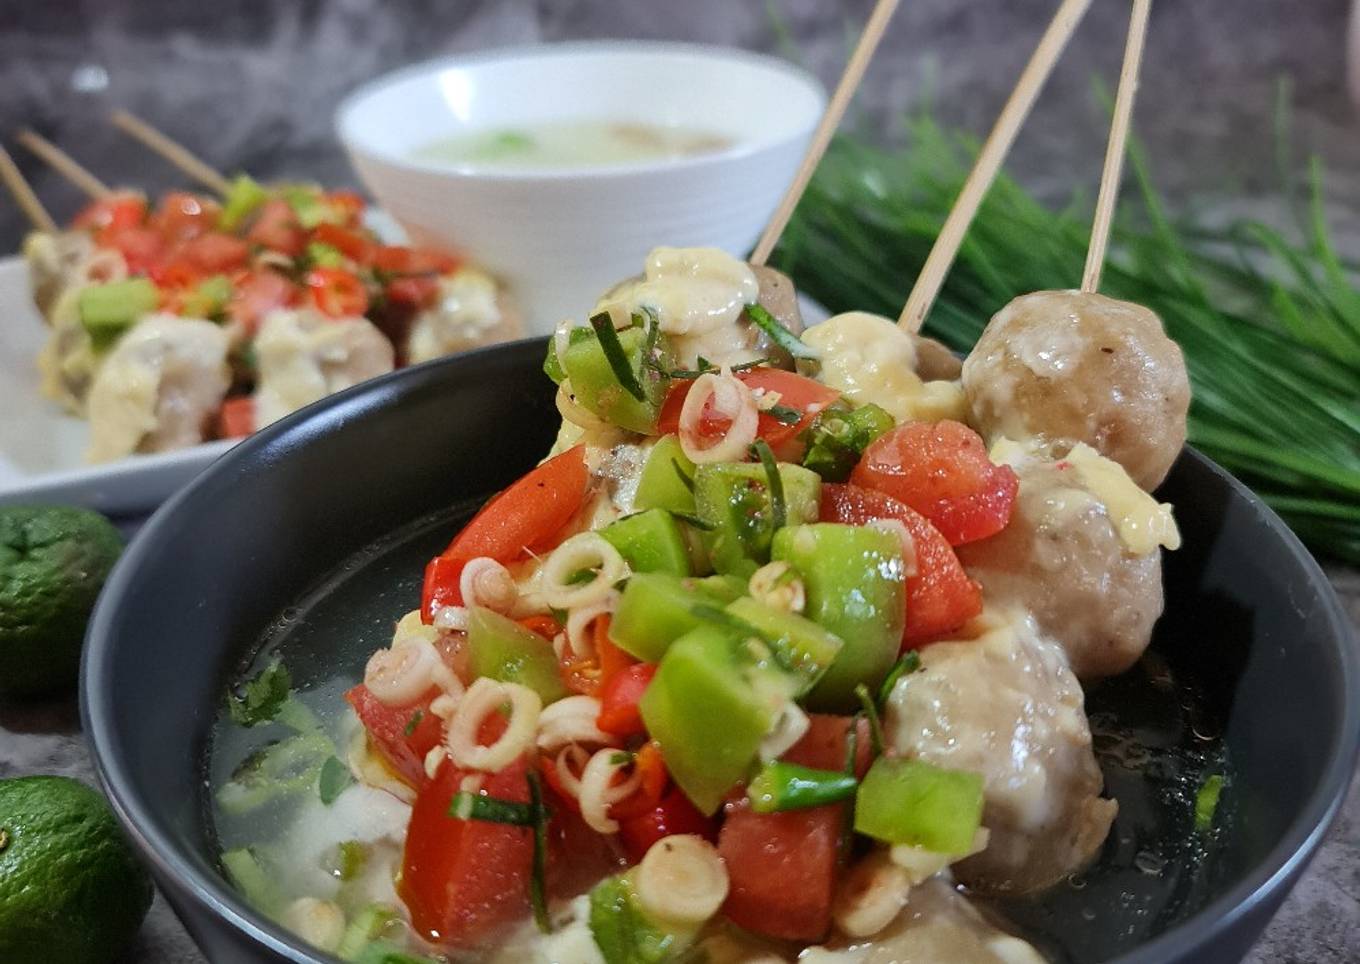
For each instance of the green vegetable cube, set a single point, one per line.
(246, 194)
(911, 802)
(656, 609)
(709, 706)
(625, 933)
(650, 541)
(662, 483)
(107, 310)
(503, 649)
(598, 389)
(800, 645)
(734, 498)
(856, 587)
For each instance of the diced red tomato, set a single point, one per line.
(121, 209)
(387, 726)
(276, 227)
(673, 815)
(823, 746)
(781, 869)
(545, 626)
(214, 253)
(141, 247)
(401, 260)
(795, 391)
(940, 596)
(182, 216)
(173, 276)
(612, 660)
(336, 292)
(417, 291)
(653, 779)
(255, 295)
(942, 471)
(349, 242)
(526, 515)
(347, 205)
(462, 880)
(619, 697)
(237, 417)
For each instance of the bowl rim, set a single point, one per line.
(136, 811)
(346, 128)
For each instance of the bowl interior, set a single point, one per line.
(752, 100)
(1253, 642)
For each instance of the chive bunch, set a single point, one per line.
(1270, 327)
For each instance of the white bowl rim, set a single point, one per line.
(359, 145)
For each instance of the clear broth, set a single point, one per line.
(572, 144)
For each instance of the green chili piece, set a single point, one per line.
(788, 786)
(1206, 802)
(479, 806)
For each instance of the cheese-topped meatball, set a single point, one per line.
(1081, 552)
(1066, 367)
(1004, 704)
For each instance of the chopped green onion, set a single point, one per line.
(778, 334)
(871, 713)
(615, 355)
(334, 778)
(779, 513)
(787, 786)
(413, 722)
(1206, 802)
(478, 806)
(620, 758)
(686, 479)
(910, 662)
(538, 886)
(784, 415)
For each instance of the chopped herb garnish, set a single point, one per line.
(847, 835)
(1206, 802)
(413, 722)
(778, 508)
(335, 776)
(701, 524)
(616, 356)
(538, 886)
(777, 333)
(784, 415)
(620, 758)
(706, 367)
(349, 859)
(686, 479)
(260, 698)
(871, 714)
(909, 663)
(479, 806)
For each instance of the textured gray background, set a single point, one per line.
(252, 86)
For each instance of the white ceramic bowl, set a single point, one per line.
(561, 236)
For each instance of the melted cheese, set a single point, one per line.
(1142, 522)
(871, 360)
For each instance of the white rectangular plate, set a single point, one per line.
(42, 447)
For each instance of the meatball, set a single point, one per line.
(1067, 367)
(1005, 705)
(304, 356)
(1062, 557)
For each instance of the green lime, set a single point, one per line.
(70, 889)
(53, 562)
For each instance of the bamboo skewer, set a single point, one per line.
(64, 164)
(1114, 152)
(176, 154)
(826, 127)
(23, 194)
(989, 161)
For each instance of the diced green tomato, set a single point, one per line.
(855, 584)
(661, 485)
(912, 802)
(734, 498)
(107, 310)
(625, 933)
(650, 541)
(802, 646)
(839, 437)
(1206, 801)
(552, 365)
(657, 608)
(370, 924)
(322, 255)
(210, 298)
(597, 388)
(255, 882)
(245, 195)
(503, 649)
(708, 707)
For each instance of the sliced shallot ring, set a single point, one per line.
(571, 720)
(585, 550)
(484, 697)
(399, 677)
(579, 620)
(731, 398)
(599, 791)
(572, 755)
(485, 582)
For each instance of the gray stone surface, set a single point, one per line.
(251, 85)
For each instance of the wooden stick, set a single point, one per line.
(821, 137)
(23, 194)
(176, 154)
(989, 161)
(1114, 152)
(64, 164)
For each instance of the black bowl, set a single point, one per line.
(1248, 610)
